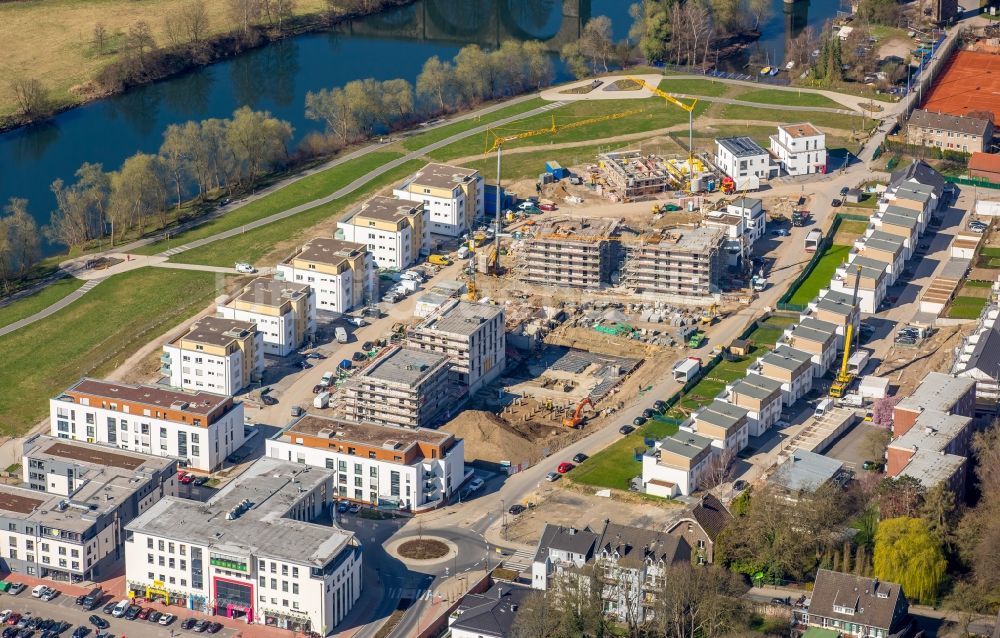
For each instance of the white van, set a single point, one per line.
(822, 407)
(322, 400)
(121, 608)
(341, 335)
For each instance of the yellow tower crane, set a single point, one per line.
(687, 107)
(498, 140)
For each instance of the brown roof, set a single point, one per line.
(95, 456)
(803, 129)
(985, 162)
(712, 515)
(946, 122)
(153, 396)
(10, 502)
(872, 601)
(265, 291)
(322, 250)
(217, 331)
(390, 209)
(365, 433)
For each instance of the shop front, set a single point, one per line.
(233, 599)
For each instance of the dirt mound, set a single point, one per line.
(490, 438)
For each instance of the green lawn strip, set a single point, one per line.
(770, 330)
(821, 275)
(852, 227)
(978, 283)
(615, 465)
(42, 299)
(990, 251)
(818, 118)
(299, 192)
(423, 139)
(705, 391)
(966, 307)
(654, 116)
(788, 98)
(522, 165)
(92, 336)
(709, 88)
(254, 244)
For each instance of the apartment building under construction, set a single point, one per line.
(683, 262)
(629, 175)
(572, 252)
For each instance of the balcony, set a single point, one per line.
(166, 358)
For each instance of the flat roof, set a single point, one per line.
(933, 431)
(902, 211)
(267, 291)
(741, 146)
(92, 456)
(569, 228)
(881, 235)
(216, 331)
(802, 129)
(883, 245)
(802, 331)
(746, 202)
(686, 444)
(921, 194)
(931, 469)
(390, 437)
(273, 488)
(404, 365)
(760, 381)
(327, 250)
(805, 470)
(751, 390)
(899, 220)
(203, 403)
(818, 325)
(440, 176)
(18, 500)
(460, 317)
(720, 413)
(787, 358)
(390, 209)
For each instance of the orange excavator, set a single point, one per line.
(577, 417)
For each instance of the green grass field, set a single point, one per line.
(709, 88)
(739, 112)
(92, 336)
(39, 301)
(304, 190)
(523, 165)
(615, 465)
(423, 139)
(770, 330)
(705, 391)
(966, 307)
(820, 277)
(256, 243)
(790, 98)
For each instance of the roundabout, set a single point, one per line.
(422, 550)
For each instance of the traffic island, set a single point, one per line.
(422, 550)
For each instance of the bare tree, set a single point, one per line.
(436, 83)
(244, 14)
(278, 11)
(194, 21)
(138, 192)
(138, 42)
(100, 38)
(31, 97)
(22, 237)
(595, 42)
(718, 469)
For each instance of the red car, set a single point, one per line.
(13, 619)
(144, 613)
(564, 467)
(187, 478)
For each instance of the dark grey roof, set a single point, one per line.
(567, 539)
(787, 357)
(802, 331)
(872, 601)
(986, 355)
(947, 122)
(741, 146)
(491, 613)
(712, 515)
(635, 544)
(819, 325)
(921, 172)
(900, 220)
(902, 211)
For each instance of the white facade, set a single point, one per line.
(99, 412)
(341, 273)
(393, 246)
(286, 318)
(741, 157)
(869, 297)
(800, 148)
(453, 197)
(752, 212)
(221, 374)
(679, 469)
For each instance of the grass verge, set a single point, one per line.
(966, 307)
(39, 301)
(789, 98)
(421, 140)
(297, 193)
(616, 465)
(820, 277)
(523, 165)
(830, 120)
(92, 336)
(710, 88)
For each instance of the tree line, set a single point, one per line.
(19, 243)
(195, 159)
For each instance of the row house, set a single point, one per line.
(870, 277)
(818, 338)
(836, 308)
(790, 366)
(726, 424)
(675, 465)
(760, 397)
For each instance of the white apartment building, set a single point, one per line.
(872, 287)
(395, 231)
(677, 464)
(199, 429)
(472, 335)
(741, 157)
(252, 552)
(216, 355)
(737, 245)
(791, 367)
(382, 465)
(453, 197)
(284, 311)
(68, 522)
(342, 273)
(800, 149)
(751, 210)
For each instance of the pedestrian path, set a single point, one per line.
(175, 250)
(51, 310)
(520, 560)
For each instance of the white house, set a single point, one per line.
(872, 287)
(395, 231)
(200, 429)
(791, 367)
(215, 355)
(342, 273)
(741, 157)
(760, 397)
(751, 210)
(453, 196)
(676, 464)
(800, 148)
(725, 423)
(284, 311)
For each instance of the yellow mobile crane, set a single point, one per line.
(843, 381)
(687, 107)
(499, 140)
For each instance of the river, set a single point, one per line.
(276, 77)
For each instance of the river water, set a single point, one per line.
(276, 77)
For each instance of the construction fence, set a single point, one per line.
(783, 303)
(981, 182)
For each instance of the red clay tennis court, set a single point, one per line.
(971, 82)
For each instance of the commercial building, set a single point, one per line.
(726, 424)
(701, 527)
(253, 551)
(472, 335)
(380, 465)
(216, 355)
(395, 231)
(762, 399)
(630, 175)
(284, 311)
(403, 387)
(751, 210)
(790, 366)
(853, 606)
(572, 252)
(453, 197)
(741, 157)
(949, 132)
(800, 149)
(341, 272)
(818, 338)
(676, 263)
(677, 464)
(199, 429)
(68, 523)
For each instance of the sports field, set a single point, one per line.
(970, 82)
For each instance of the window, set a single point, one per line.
(295, 588)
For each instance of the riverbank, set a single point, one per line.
(57, 43)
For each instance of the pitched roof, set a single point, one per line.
(491, 613)
(921, 172)
(635, 544)
(567, 539)
(947, 122)
(712, 515)
(873, 602)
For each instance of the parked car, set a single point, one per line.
(836, 203)
(49, 594)
(844, 191)
(38, 590)
(200, 626)
(166, 619)
(214, 627)
(99, 622)
(121, 609)
(648, 413)
(354, 509)
(639, 420)
(660, 406)
(564, 467)
(626, 429)
(319, 387)
(476, 484)
(13, 619)
(154, 616)
(132, 612)
(342, 507)
(201, 480)
(110, 607)
(868, 465)
(552, 476)
(579, 457)
(143, 613)
(187, 479)
(16, 589)
(5, 614)
(516, 509)
(81, 631)
(188, 624)
(245, 268)
(740, 485)
(316, 355)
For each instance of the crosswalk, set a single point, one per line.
(89, 285)
(520, 561)
(551, 105)
(412, 593)
(175, 250)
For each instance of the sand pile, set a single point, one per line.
(489, 438)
